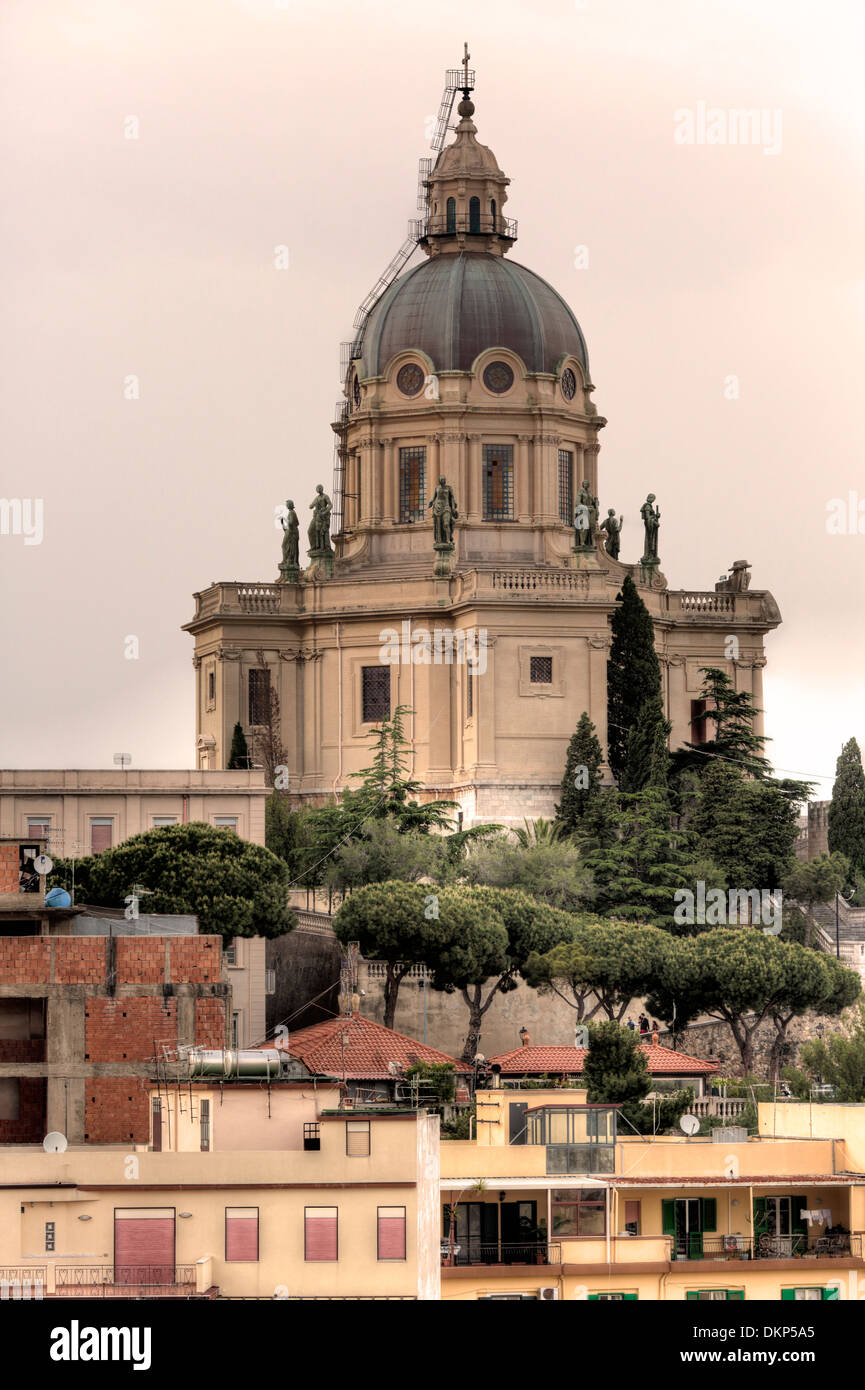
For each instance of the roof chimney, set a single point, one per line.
(524, 1037)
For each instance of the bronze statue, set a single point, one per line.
(290, 538)
(444, 510)
(651, 521)
(585, 518)
(613, 529)
(319, 526)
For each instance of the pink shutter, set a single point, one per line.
(100, 838)
(144, 1246)
(391, 1235)
(320, 1237)
(241, 1233)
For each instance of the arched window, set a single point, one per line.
(452, 214)
(474, 214)
(493, 212)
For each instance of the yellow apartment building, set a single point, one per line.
(341, 1205)
(548, 1201)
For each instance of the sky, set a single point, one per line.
(166, 380)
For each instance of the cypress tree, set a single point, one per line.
(239, 755)
(847, 807)
(647, 756)
(633, 672)
(582, 780)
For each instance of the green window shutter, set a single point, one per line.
(592, 1298)
(630, 1298)
(692, 1293)
(668, 1217)
(788, 1295)
(738, 1294)
(710, 1214)
(761, 1216)
(831, 1295)
(800, 1227)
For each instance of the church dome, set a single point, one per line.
(454, 307)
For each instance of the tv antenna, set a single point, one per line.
(123, 760)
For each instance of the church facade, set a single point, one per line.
(472, 574)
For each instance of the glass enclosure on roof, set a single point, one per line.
(578, 1139)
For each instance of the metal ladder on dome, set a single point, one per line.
(456, 80)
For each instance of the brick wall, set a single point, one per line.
(80, 960)
(116, 1110)
(22, 1049)
(211, 1025)
(9, 868)
(141, 958)
(83, 959)
(197, 959)
(117, 1030)
(24, 960)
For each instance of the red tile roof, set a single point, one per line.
(568, 1061)
(367, 1050)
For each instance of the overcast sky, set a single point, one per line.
(263, 123)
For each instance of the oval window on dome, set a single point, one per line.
(498, 377)
(569, 384)
(409, 379)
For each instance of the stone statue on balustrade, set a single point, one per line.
(320, 549)
(289, 569)
(612, 526)
(651, 523)
(585, 519)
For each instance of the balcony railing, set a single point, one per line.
(501, 1253)
(766, 1247)
(483, 224)
(124, 1281)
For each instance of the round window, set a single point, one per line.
(498, 377)
(569, 384)
(410, 379)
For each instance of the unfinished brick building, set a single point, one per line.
(83, 1017)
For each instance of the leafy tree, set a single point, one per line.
(537, 832)
(581, 783)
(647, 755)
(814, 982)
(388, 920)
(839, 1060)
(847, 807)
(735, 741)
(633, 672)
(234, 888)
(466, 945)
(387, 789)
(380, 851)
(812, 881)
(434, 1078)
(747, 827)
(238, 757)
(738, 975)
(635, 878)
(552, 870)
(615, 1072)
(601, 968)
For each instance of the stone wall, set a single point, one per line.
(715, 1039)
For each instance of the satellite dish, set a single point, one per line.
(42, 864)
(55, 1142)
(689, 1124)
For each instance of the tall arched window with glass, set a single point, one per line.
(412, 483)
(474, 214)
(451, 214)
(566, 486)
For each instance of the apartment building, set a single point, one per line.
(552, 1199)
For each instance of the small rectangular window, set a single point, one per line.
(164, 820)
(566, 490)
(412, 484)
(235, 1029)
(225, 822)
(470, 693)
(541, 670)
(375, 694)
(101, 833)
(241, 1234)
(211, 686)
(231, 954)
(157, 1125)
(357, 1138)
(49, 1236)
(205, 1126)
(38, 827)
(498, 463)
(259, 696)
(311, 1136)
(321, 1233)
(391, 1233)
